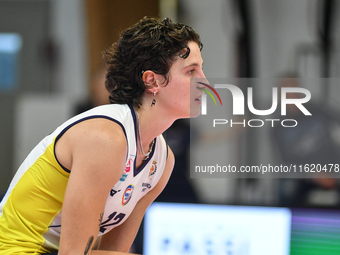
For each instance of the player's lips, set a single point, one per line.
(198, 99)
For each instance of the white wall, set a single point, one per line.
(68, 30)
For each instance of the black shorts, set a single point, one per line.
(53, 253)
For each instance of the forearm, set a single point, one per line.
(121, 237)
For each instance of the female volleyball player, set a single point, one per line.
(95, 175)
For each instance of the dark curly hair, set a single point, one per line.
(150, 44)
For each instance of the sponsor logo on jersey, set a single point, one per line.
(146, 186)
(153, 169)
(127, 194)
(128, 168)
(113, 192)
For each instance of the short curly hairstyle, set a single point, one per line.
(150, 44)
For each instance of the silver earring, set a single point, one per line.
(153, 100)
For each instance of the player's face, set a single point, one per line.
(181, 96)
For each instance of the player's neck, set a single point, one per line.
(152, 122)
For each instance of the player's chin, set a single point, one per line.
(195, 111)
(193, 116)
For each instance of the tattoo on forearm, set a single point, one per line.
(90, 241)
(88, 246)
(100, 219)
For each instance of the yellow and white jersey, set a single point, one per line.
(31, 210)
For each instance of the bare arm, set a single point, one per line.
(121, 237)
(95, 152)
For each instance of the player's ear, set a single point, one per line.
(152, 81)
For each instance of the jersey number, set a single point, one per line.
(117, 218)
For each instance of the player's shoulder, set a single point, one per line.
(99, 129)
(99, 133)
(101, 121)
